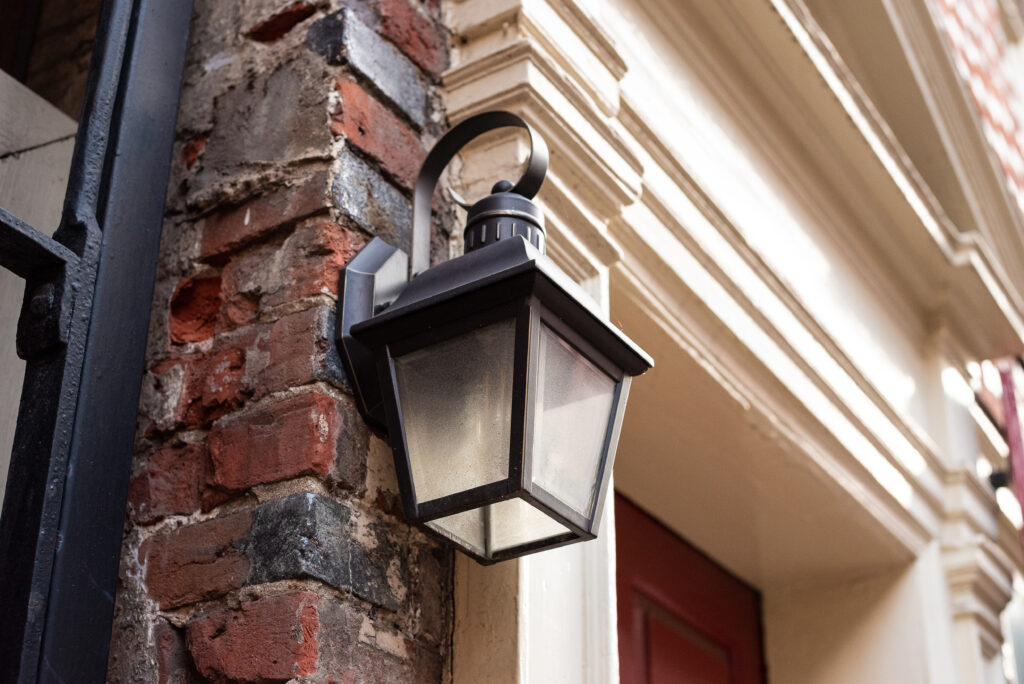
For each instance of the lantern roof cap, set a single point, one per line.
(494, 268)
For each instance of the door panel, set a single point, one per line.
(683, 619)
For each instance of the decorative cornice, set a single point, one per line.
(980, 577)
(520, 77)
(962, 250)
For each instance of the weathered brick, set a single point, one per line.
(341, 37)
(283, 439)
(169, 483)
(281, 22)
(174, 665)
(212, 384)
(296, 350)
(251, 200)
(306, 264)
(350, 468)
(274, 116)
(233, 228)
(311, 259)
(196, 562)
(371, 127)
(361, 193)
(380, 564)
(222, 379)
(432, 591)
(192, 391)
(273, 638)
(245, 279)
(194, 308)
(418, 37)
(162, 390)
(303, 535)
(362, 649)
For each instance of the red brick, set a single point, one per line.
(194, 308)
(174, 665)
(223, 383)
(371, 127)
(169, 484)
(292, 437)
(246, 277)
(215, 382)
(196, 562)
(313, 256)
(414, 34)
(270, 639)
(292, 351)
(281, 22)
(196, 389)
(233, 228)
(306, 264)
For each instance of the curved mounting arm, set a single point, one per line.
(377, 274)
(443, 152)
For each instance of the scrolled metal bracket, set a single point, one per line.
(376, 276)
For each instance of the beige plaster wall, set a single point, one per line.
(885, 627)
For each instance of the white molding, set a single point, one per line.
(980, 577)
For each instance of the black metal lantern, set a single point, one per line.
(499, 382)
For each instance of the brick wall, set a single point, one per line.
(264, 538)
(980, 45)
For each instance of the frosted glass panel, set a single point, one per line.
(515, 522)
(456, 399)
(571, 422)
(466, 529)
(499, 526)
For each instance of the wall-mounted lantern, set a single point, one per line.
(499, 382)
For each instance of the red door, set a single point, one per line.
(683, 619)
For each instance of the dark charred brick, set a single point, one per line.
(434, 567)
(380, 566)
(342, 38)
(303, 535)
(326, 37)
(276, 25)
(371, 201)
(275, 117)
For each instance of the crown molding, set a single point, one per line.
(980, 578)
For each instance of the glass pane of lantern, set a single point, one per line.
(500, 526)
(456, 399)
(515, 522)
(571, 422)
